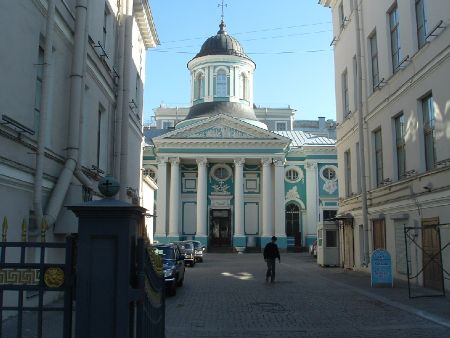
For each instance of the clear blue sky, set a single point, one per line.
(289, 40)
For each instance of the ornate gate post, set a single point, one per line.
(108, 231)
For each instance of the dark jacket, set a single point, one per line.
(271, 251)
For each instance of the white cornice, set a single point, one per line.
(144, 19)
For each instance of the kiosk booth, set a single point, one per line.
(328, 244)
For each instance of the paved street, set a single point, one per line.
(227, 296)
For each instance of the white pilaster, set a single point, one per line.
(267, 228)
(202, 201)
(161, 210)
(279, 207)
(239, 197)
(311, 199)
(174, 206)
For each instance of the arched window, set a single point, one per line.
(199, 86)
(243, 95)
(221, 83)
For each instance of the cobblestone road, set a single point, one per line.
(227, 296)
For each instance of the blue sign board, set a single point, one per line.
(381, 268)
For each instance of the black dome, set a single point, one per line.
(233, 109)
(221, 44)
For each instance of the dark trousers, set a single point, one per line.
(270, 269)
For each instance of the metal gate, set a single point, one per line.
(432, 265)
(34, 289)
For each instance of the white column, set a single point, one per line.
(311, 199)
(239, 197)
(202, 201)
(174, 206)
(267, 228)
(161, 210)
(279, 207)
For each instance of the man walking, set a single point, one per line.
(270, 254)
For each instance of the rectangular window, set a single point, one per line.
(378, 156)
(399, 124)
(331, 238)
(374, 60)
(421, 22)
(38, 88)
(348, 173)
(358, 169)
(167, 124)
(379, 234)
(281, 126)
(345, 101)
(329, 214)
(429, 131)
(341, 15)
(106, 15)
(395, 38)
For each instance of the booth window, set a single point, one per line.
(331, 238)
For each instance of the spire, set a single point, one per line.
(222, 23)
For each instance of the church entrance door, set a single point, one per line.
(220, 228)
(293, 226)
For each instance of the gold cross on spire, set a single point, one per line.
(222, 5)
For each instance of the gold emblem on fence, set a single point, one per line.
(19, 276)
(54, 277)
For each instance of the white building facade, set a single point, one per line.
(71, 106)
(223, 177)
(392, 69)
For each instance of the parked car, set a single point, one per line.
(313, 249)
(199, 250)
(173, 266)
(189, 253)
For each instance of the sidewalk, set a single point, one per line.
(436, 308)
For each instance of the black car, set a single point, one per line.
(199, 250)
(173, 266)
(189, 253)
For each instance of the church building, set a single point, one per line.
(224, 178)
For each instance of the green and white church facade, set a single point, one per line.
(225, 179)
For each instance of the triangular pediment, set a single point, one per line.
(221, 127)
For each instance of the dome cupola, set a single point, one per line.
(221, 79)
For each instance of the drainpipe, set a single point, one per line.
(76, 97)
(45, 107)
(127, 60)
(362, 162)
(118, 120)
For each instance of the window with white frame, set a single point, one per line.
(399, 125)
(150, 172)
(221, 83)
(395, 37)
(293, 175)
(348, 173)
(167, 124)
(374, 60)
(345, 100)
(243, 90)
(429, 131)
(421, 22)
(329, 173)
(199, 86)
(221, 172)
(378, 148)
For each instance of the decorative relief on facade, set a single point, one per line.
(202, 161)
(221, 188)
(239, 162)
(266, 161)
(330, 186)
(217, 132)
(311, 165)
(292, 194)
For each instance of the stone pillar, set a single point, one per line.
(267, 197)
(239, 239)
(279, 204)
(312, 196)
(161, 201)
(174, 211)
(107, 231)
(202, 201)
